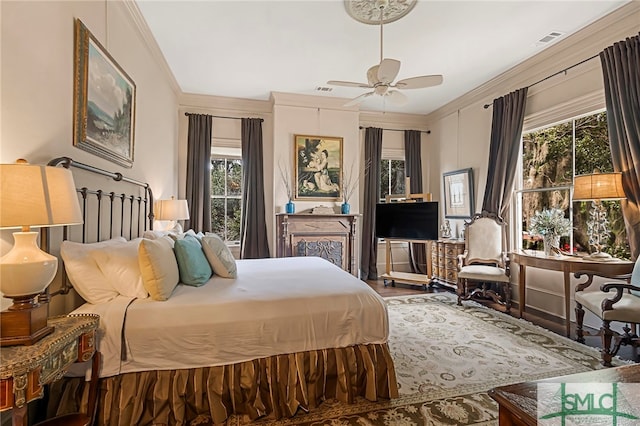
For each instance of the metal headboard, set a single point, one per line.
(123, 208)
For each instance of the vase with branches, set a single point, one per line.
(349, 186)
(287, 183)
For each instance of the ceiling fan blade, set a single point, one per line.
(419, 82)
(388, 70)
(359, 99)
(397, 98)
(348, 84)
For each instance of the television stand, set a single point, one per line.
(407, 277)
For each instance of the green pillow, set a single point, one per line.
(192, 263)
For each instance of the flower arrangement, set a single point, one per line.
(550, 222)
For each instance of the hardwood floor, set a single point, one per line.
(553, 324)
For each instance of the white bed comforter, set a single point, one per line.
(275, 306)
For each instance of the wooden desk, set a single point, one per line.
(26, 369)
(566, 264)
(518, 403)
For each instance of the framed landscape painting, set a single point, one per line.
(104, 101)
(318, 167)
(458, 194)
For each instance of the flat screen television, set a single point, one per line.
(407, 221)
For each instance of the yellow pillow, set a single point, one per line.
(159, 267)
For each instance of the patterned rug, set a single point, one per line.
(447, 357)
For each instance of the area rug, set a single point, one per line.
(447, 357)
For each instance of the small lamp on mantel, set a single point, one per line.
(172, 210)
(597, 187)
(31, 196)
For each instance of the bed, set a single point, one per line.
(280, 338)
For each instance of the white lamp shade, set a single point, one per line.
(33, 195)
(172, 210)
(598, 186)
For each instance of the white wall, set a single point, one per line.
(37, 88)
(462, 129)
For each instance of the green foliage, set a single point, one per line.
(392, 177)
(548, 162)
(226, 198)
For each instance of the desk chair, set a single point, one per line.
(622, 306)
(484, 260)
(81, 419)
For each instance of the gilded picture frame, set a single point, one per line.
(318, 167)
(104, 101)
(458, 194)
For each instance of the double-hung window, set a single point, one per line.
(392, 172)
(226, 194)
(551, 157)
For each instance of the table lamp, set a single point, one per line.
(31, 196)
(597, 187)
(172, 210)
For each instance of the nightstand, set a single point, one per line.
(25, 370)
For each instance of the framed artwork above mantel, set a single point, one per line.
(104, 101)
(318, 167)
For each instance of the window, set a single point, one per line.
(550, 158)
(391, 177)
(226, 197)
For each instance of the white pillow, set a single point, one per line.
(154, 235)
(159, 268)
(219, 256)
(120, 265)
(84, 273)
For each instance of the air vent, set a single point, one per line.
(323, 89)
(550, 37)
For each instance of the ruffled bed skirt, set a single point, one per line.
(276, 387)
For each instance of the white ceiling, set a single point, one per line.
(247, 49)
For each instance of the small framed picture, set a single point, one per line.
(318, 167)
(104, 101)
(458, 194)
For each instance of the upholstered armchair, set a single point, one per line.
(622, 306)
(484, 260)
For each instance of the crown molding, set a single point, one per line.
(589, 41)
(149, 40)
(195, 103)
(311, 101)
(393, 120)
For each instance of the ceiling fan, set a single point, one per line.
(381, 76)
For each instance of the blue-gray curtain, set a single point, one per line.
(413, 169)
(253, 240)
(198, 191)
(621, 72)
(506, 132)
(372, 157)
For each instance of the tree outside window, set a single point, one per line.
(226, 198)
(551, 158)
(391, 178)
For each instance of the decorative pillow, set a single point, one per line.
(219, 256)
(159, 267)
(192, 263)
(84, 273)
(120, 265)
(154, 235)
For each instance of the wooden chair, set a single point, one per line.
(623, 306)
(81, 419)
(484, 260)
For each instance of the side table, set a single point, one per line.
(25, 370)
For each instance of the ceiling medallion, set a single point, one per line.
(368, 11)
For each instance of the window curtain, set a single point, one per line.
(506, 132)
(198, 192)
(253, 240)
(372, 157)
(621, 72)
(413, 169)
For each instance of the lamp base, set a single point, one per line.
(24, 323)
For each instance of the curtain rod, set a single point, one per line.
(556, 73)
(399, 130)
(219, 116)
